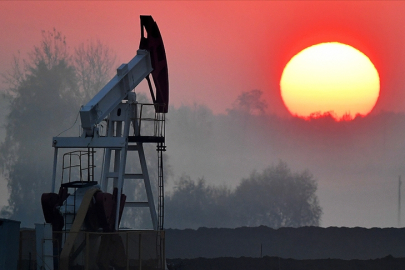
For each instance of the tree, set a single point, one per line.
(5, 100)
(94, 64)
(277, 198)
(196, 204)
(46, 93)
(250, 103)
(45, 100)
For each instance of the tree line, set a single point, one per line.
(275, 197)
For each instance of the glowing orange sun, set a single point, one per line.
(330, 77)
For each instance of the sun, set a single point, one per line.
(330, 78)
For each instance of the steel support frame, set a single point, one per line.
(116, 139)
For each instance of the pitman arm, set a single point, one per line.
(127, 78)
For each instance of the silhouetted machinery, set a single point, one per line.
(85, 214)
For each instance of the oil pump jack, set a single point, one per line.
(83, 204)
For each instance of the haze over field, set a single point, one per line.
(356, 163)
(213, 129)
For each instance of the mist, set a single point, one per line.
(356, 163)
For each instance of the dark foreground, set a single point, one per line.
(302, 243)
(276, 263)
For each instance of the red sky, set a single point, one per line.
(216, 50)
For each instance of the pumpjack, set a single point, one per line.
(84, 205)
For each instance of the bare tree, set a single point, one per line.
(51, 51)
(94, 63)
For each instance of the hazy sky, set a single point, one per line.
(216, 50)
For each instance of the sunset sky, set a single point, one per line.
(218, 49)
